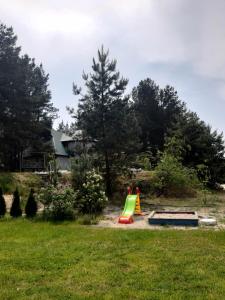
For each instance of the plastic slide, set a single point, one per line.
(129, 209)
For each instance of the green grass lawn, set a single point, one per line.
(40, 260)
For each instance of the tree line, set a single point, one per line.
(26, 110)
(149, 121)
(119, 127)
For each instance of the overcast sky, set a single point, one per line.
(176, 42)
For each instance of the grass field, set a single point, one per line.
(40, 260)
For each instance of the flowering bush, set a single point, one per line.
(80, 166)
(58, 203)
(91, 198)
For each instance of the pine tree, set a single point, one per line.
(16, 210)
(2, 204)
(31, 206)
(67, 128)
(203, 147)
(105, 115)
(26, 112)
(156, 110)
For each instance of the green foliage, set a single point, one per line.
(26, 112)
(2, 204)
(91, 198)
(80, 166)
(173, 179)
(146, 187)
(53, 170)
(156, 109)
(25, 180)
(175, 146)
(16, 210)
(166, 125)
(31, 206)
(67, 128)
(87, 220)
(106, 117)
(203, 174)
(58, 203)
(7, 182)
(204, 148)
(144, 160)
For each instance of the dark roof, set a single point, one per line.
(58, 138)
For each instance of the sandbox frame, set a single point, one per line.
(181, 218)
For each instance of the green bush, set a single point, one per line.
(2, 204)
(58, 203)
(31, 206)
(7, 182)
(173, 179)
(91, 198)
(16, 210)
(80, 166)
(143, 161)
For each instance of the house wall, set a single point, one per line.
(63, 163)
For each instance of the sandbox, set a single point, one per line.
(173, 218)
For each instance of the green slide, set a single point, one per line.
(129, 209)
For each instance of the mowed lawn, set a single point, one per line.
(40, 260)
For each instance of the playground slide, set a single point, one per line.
(129, 209)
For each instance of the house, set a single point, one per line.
(63, 149)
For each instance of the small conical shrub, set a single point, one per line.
(2, 204)
(15, 210)
(31, 206)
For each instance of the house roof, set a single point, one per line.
(66, 138)
(58, 138)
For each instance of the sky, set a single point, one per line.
(175, 42)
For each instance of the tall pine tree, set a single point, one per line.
(106, 117)
(203, 148)
(156, 110)
(26, 112)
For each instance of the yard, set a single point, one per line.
(41, 260)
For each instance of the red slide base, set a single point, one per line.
(126, 220)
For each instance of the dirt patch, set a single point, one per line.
(175, 215)
(8, 200)
(112, 213)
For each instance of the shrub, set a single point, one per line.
(80, 166)
(7, 181)
(2, 204)
(16, 210)
(31, 206)
(173, 179)
(91, 198)
(58, 203)
(144, 160)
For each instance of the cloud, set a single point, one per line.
(175, 31)
(141, 34)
